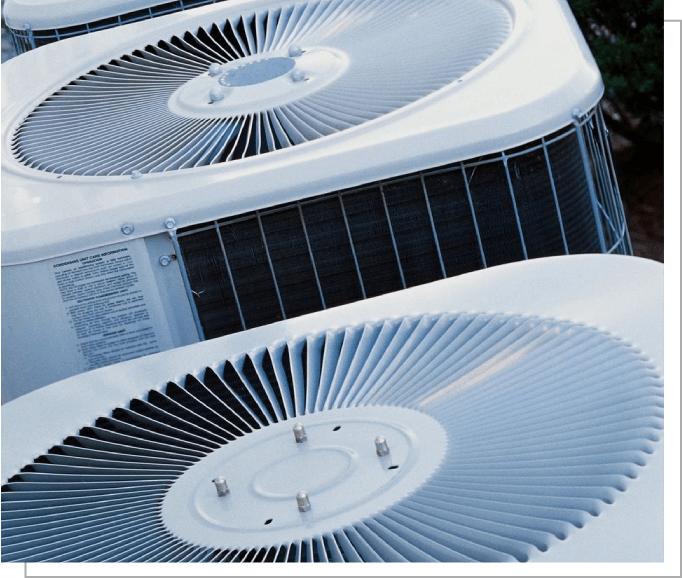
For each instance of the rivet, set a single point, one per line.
(165, 260)
(299, 433)
(170, 223)
(576, 113)
(303, 501)
(127, 228)
(135, 174)
(221, 486)
(214, 69)
(381, 446)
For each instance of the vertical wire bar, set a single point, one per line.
(606, 200)
(556, 197)
(603, 187)
(393, 241)
(601, 176)
(433, 226)
(310, 252)
(185, 280)
(229, 274)
(19, 48)
(516, 210)
(272, 268)
(352, 248)
(473, 215)
(606, 142)
(588, 175)
(31, 37)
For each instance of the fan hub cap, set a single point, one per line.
(337, 468)
(257, 82)
(257, 71)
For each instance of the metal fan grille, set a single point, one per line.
(322, 251)
(546, 422)
(27, 38)
(116, 120)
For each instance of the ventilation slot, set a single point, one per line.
(545, 423)
(152, 110)
(320, 252)
(25, 39)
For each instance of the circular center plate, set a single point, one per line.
(338, 467)
(258, 71)
(255, 83)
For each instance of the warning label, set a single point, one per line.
(106, 306)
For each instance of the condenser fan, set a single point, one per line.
(257, 82)
(430, 437)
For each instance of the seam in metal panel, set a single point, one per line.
(186, 282)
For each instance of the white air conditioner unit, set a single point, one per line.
(203, 173)
(511, 414)
(34, 23)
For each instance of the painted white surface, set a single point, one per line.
(618, 294)
(527, 89)
(48, 14)
(40, 338)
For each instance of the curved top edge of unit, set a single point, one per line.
(621, 295)
(569, 288)
(48, 14)
(529, 88)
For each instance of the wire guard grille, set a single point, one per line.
(546, 421)
(26, 39)
(116, 119)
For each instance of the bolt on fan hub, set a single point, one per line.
(257, 83)
(283, 490)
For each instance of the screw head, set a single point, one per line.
(135, 174)
(127, 228)
(165, 260)
(214, 69)
(170, 223)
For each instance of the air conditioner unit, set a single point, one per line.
(34, 23)
(510, 414)
(200, 174)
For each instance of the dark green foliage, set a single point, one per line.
(626, 38)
